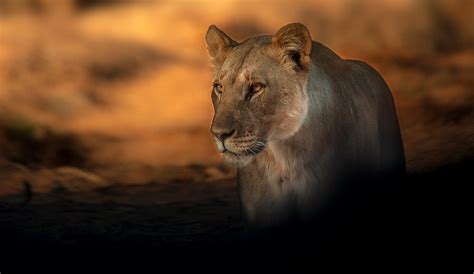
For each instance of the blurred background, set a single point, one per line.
(96, 93)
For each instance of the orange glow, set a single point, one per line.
(138, 73)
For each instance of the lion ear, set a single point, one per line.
(219, 44)
(294, 43)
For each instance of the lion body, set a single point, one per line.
(351, 128)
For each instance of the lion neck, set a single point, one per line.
(283, 162)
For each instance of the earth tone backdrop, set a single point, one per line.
(99, 93)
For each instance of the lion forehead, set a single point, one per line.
(245, 62)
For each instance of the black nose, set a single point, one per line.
(222, 134)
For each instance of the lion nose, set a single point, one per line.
(222, 134)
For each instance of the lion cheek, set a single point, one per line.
(290, 123)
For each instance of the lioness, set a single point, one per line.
(299, 122)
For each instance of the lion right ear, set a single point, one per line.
(219, 44)
(294, 43)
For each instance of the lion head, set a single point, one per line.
(258, 90)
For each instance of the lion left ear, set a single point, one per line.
(294, 43)
(219, 44)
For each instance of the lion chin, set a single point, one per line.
(237, 160)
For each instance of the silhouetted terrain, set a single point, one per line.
(419, 217)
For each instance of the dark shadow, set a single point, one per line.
(418, 216)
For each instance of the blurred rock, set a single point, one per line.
(451, 102)
(23, 140)
(68, 179)
(218, 173)
(13, 178)
(37, 6)
(16, 179)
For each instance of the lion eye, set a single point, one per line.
(256, 87)
(217, 88)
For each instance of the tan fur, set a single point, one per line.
(318, 121)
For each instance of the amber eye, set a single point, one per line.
(256, 87)
(217, 88)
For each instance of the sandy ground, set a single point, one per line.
(420, 216)
(160, 216)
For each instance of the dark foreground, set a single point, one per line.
(417, 218)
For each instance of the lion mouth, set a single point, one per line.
(239, 153)
(252, 151)
(243, 157)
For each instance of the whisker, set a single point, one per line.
(251, 151)
(260, 144)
